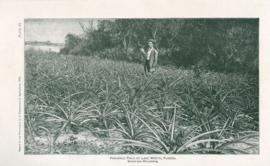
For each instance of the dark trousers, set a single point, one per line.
(147, 66)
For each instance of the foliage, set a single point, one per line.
(172, 111)
(224, 45)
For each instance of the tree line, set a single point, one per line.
(223, 45)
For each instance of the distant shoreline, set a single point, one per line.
(42, 43)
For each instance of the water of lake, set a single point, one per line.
(50, 48)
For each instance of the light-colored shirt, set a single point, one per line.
(148, 53)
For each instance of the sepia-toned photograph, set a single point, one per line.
(141, 86)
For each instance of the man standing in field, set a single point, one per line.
(151, 57)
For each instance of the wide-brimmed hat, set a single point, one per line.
(151, 40)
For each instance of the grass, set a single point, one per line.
(86, 105)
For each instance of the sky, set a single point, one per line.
(53, 30)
